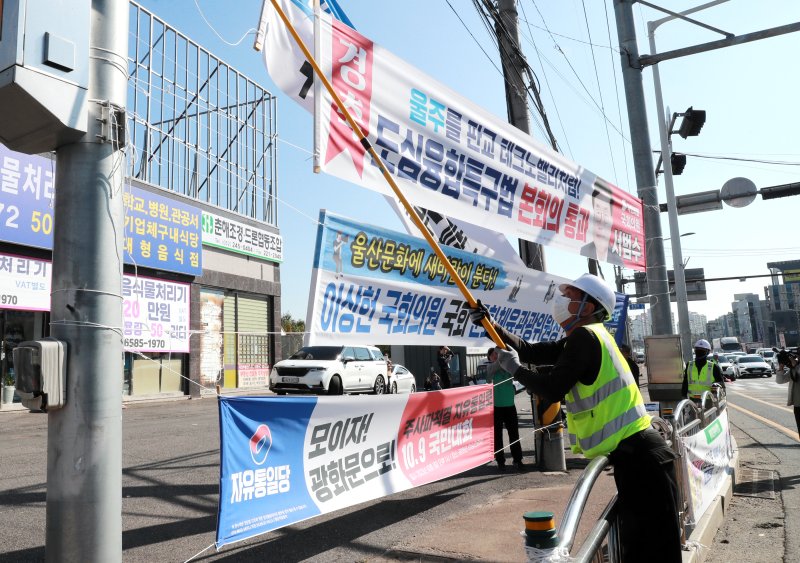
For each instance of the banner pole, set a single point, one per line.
(395, 188)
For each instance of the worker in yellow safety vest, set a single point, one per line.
(701, 373)
(605, 413)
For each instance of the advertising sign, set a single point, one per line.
(446, 153)
(370, 284)
(708, 455)
(24, 283)
(156, 315)
(288, 459)
(617, 324)
(238, 237)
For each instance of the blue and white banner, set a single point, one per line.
(288, 459)
(372, 284)
(617, 324)
(708, 457)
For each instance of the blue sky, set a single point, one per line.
(748, 91)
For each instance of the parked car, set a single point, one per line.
(751, 365)
(331, 370)
(403, 381)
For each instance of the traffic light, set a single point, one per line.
(693, 120)
(678, 163)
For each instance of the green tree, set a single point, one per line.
(289, 324)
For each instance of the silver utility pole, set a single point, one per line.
(84, 450)
(657, 285)
(549, 445)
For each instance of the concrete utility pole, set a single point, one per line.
(657, 284)
(549, 444)
(516, 101)
(84, 441)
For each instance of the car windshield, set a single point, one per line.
(767, 353)
(750, 359)
(317, 353)
(724, 358)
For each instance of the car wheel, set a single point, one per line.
(335, 386)
(280, 392)
(379, 388)
(394, 388)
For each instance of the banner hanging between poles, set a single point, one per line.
(446, 153)
(288, 459)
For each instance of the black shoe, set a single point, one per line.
(501, 467)
(521, 467)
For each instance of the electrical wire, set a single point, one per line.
(625, 153)
(208, 23)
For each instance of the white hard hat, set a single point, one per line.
(703, 343)
(596, 288)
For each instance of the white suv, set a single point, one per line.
(332, 370)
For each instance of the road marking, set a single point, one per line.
(787, 409)
(768, 422)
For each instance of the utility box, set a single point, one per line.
(41, 370)
(664, 362)
(44, 73)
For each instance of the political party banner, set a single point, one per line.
(446, 153)
(24, 283)
(155, 315)
(241, 238)
(371, 284)
(160, 233)
(288, 459)
(708, 456)
(616, 325)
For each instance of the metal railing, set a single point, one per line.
(688, 418)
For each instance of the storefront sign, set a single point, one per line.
(253, 375)
(156, 315)
(160, 233)
(24, 283)
(238, 237)
(287, 460)
(370, 284)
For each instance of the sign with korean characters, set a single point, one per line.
(160, 233)
(155, 315)
(228, 234)
(288, 459)
(447, 154)
(370, 284)
(24, 283)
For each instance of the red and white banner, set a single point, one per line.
(446, 153)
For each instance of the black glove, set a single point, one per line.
(478, 313)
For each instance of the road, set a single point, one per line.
(763, 529)
(170, 492)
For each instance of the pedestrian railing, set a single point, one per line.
(688, 418)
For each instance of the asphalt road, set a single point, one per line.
(170, 493)
(759, 528)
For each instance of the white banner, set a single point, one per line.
(708, 456)
(24, 283)
(371, 284)
(228, 234)
(447, 154)
(156, 315)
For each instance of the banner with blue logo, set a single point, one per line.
(288, 459)
(617, 324)
(370, 284)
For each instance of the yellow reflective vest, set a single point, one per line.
(699, 381)
(601, 415)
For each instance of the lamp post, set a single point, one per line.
(672, 211)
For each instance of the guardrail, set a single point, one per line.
(688, 418)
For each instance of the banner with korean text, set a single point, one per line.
(371, 284)
(446, 153)
(288, 459)
(708, 456)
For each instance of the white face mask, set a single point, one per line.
(560, 308)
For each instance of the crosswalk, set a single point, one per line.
(763, 388)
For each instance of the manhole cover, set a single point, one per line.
(755, 483)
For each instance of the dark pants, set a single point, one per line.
(797, 416)
(506, 416)
(444, 375)
(644, 471)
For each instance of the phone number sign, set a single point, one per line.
(155, 315)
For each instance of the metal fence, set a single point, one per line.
(198, 126)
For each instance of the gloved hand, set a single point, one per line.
(508, 360)
(478, 313)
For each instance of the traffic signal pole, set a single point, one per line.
(84, 439)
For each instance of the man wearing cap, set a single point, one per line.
(701, 373)
(605, 413)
